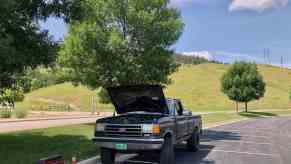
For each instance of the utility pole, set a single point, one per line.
(268, 53)
(267, 59)
(282, 64)
(264, 56)
(268, 56)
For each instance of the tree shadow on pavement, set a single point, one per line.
(183, 156)
(256, 114)
(207, 145)
(216, 135)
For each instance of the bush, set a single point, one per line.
(5, 113)
(104, 96)
(12, 95)
(42, 77)
(20, 112)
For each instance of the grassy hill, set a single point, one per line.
(198, 86)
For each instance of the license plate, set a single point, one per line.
(121, 146)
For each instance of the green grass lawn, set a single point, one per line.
(215, 118)
(29, 146)
(198, 86)
(79, 97)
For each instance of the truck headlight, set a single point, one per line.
(100, 127)
(151, 128)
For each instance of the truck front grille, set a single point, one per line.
(123, 130)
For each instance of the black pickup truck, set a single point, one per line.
(146, 121)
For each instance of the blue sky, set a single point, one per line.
(227, 30)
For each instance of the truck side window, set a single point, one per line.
(178, 108)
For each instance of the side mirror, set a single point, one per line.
(187, 112)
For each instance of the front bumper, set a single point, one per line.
(132, 143)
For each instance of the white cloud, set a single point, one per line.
(230, 57)
(256, 5)
(204, 54)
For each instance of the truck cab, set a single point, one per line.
(185, 121)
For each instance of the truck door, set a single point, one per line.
(188, 118)
(182, 121)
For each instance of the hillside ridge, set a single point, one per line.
(197, 85)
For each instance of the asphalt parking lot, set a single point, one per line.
(258, 141)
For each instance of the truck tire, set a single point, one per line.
(194, 141)
(107, 156)
(167, 155)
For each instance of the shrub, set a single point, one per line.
(20, 112)
(42, 77)
(5, 113)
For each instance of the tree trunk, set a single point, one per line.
(236, 106)
(246, 106)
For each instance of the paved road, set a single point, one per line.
(260, 141)
(27, 125)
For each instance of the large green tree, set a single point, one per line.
(122, 42)
(22, 43)
(243, 83)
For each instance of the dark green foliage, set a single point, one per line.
(122, 42)
(42, 77)
(9, 96)
(243, 83)
(22, 43)
(104, 96)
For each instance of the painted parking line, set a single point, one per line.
(251, 129)
(241, 141)
(236, 135)
(244, 130)
(240, 152)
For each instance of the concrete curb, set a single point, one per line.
(93, 160)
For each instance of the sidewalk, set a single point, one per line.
(233, 111)
(39, 116)
(13, 125)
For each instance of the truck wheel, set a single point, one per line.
(167, 155)
(193, 142)
(107, 156)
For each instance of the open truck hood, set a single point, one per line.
(147, 98)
